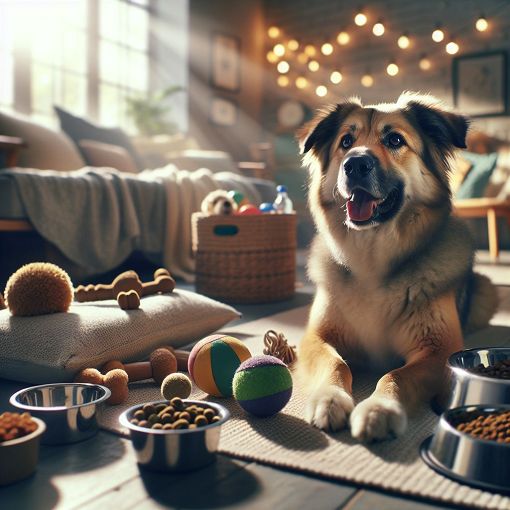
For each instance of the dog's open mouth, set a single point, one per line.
(364, 208)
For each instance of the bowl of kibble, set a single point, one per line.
(471, 444)
(19, 446)
(480, 376)
(175, 435)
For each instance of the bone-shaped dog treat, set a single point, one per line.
(125, 282)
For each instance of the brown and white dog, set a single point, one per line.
(392, 266)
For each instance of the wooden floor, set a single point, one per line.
(102, 473)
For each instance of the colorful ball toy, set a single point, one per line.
(237, 196)
(213, 361)
(248, 210)
(262, 385)
(267, 208)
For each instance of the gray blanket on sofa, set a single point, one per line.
(98, 216)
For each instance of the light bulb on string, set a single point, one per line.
(271, 57)
(367, 80)
(438, 35)
(327, 49)
(310, 50)
(482, 24)
(302, 58)
(283, 81)
(283, 67)
(360, 19)
(301, 82)
(404, 42)
(336, 77)
(313, 65)
(321, 91)
(425, 63)
(392, 69)
(343, 38)
(273, 32)
(293, 45)
(378, 29)
(279, 50)
(452, 48)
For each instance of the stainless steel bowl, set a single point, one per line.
(70, 410)
(478, 462)
(175, 450)
(469, 388)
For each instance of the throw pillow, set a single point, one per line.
(80, 129)
(46, 149)
(104, 154)
(52, 348)
(478, 177)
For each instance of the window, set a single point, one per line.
(6, 62)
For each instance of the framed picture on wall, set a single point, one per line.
(226, 62)
(223, 112)
(480, 83)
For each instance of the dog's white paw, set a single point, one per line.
(329, 408)
(377, 418)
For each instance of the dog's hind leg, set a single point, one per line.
(328, 380)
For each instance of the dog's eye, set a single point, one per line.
(346, 141)
(395, 140)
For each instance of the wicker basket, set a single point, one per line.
(245, 259)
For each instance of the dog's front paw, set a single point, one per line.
(329, 408)
(378, 418)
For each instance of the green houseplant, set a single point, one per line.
(149, 113)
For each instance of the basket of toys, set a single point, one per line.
(244, 254)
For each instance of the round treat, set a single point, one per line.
(163, 362)
(262, 385)
(213, 362)
(38, 288)
(176, 385)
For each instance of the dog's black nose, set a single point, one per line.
(358, 165)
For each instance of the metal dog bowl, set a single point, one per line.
(479, 462)
(470, 388)
(70, 410)
(175, 450)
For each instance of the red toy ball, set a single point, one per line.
(248, 210)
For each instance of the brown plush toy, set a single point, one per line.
(37, 289)
(126, 288)
(116, 375)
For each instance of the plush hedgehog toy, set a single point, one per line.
(219, 202)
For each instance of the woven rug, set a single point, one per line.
(286, 440)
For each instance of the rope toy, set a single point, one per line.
(275, 344)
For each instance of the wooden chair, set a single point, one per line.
(491, 208)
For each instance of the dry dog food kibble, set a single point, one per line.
(500, 370)
(173, 415)
(14, 425)
(493, 426)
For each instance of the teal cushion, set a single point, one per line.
(478, 177)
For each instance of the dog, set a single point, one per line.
(393, 267)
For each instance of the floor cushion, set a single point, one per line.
(80, 129)
(105, 154)
(46, 149)
(52, 348)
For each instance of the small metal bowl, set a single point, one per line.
(18, 457)
(481, 463)
(470, 388)
(175, 450)
(70, 410)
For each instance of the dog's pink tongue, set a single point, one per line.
(361, 206)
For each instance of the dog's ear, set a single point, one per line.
(445, 128)
(321, 130)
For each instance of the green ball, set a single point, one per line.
(262, 385)
(176, 385)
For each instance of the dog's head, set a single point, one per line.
(370, 165)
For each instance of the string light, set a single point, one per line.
(273, 32)
(310, 50)
(452, 48)
(271, 57)
(327, 48)
(302, 58)
(404, 42)
(301, 82)
(293, 45)
(283, 81)
(378, 29)
(283, 67)
(279, 50)
(425, 63)
(437, 35)
(343, 38)
(360, 19)
(367, 80)
(321, 91)
(392, 69)
(336, 77)
(481, 24)
(313, 65)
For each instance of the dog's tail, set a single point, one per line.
(483, 303)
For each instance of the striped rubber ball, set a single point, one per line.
(262, 385)
(213, 361)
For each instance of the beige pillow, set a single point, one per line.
(52, 348)
(47, 149)
(105, 154)
(460, 169)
